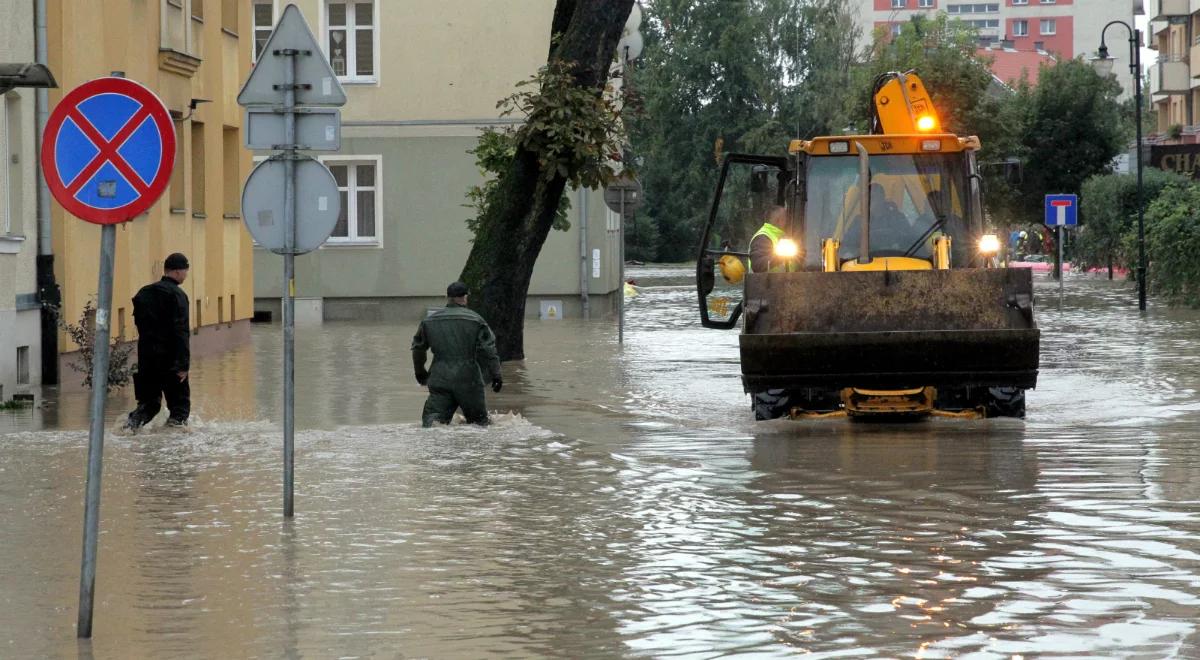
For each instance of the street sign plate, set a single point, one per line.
(317, 83)
(108, 150)
(318, 205)
(1062, 210)
(628, 187)
(318, 129)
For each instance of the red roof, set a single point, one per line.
(1009, 65)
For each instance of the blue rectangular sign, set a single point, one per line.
(1062, 210)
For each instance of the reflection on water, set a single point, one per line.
(627, 506)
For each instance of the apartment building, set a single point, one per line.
(20, 318)
(194, 54)
(1063, 28)
(1174, 93)
(422, 79)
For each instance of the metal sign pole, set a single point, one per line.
(289, 279)
(621, 286)
(91, 511)
(1060, 265)
(279, 96)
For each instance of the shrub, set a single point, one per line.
(83, 333)
(1173, 244)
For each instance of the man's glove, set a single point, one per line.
(422, 377)
(497, 383)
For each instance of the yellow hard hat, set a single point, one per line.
(732, 268)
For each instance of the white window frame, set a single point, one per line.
(1021, 28)
(1049, 2)
(1020, 2)
(6, 138)
(1042, 27)
(254, 29)
(353, 239)
(351, 44)
(925, 4)
(899, 4)
(895, 29)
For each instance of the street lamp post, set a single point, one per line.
(1104, 64)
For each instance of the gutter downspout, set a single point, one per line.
(48, 290)
(583, 254)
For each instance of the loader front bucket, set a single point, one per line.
(890, 329)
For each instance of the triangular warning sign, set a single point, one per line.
(317, 83)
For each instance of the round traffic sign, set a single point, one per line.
(318, 205)
(108, 150)
(623, 194)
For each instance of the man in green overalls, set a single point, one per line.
(462, 344)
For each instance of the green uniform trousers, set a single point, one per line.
(443, 401)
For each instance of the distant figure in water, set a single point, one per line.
(160, 311)
(463, 348)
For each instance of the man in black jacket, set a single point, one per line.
(160, 311)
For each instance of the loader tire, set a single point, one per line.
(1006, 402)
(771, 404)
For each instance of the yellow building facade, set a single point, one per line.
(1173, 88)
(194, 54)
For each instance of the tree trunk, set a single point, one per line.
(521, 211)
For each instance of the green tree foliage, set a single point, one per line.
(1108, 213)
(1173, 244)
(1071, 127)
(641, 238)
(718, 77)
(575, 133)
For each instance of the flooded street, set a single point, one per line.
(625, 504)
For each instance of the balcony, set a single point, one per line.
(1171, 76)
(1161, 10)
(1194, 60)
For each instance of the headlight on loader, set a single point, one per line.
(989, 245)
(786, 248)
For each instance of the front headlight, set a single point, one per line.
(989, 245)
(786, 248)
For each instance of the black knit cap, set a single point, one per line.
(457, 290)
(176, 261)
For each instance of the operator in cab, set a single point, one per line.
(766, 253)
(463, 348)
(891, 231)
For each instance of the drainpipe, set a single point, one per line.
(583, 253)
(48, 291)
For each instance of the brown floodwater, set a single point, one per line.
(624, 504)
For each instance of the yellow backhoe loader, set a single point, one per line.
(882, 297)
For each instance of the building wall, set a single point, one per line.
(1077, 29)
(1171, 86)
(182, 52)
(440, 71)
(20, 325)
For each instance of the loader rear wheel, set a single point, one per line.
(1006, 402)
(771, 404)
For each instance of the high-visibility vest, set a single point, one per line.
(774, 234)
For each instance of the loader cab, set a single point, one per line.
(923, 202)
